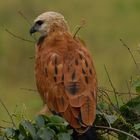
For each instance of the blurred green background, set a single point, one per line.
(106, 22)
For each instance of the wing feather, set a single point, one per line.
(67, 80)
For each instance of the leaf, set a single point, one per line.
(63, 136)
(110, 118)
(56, 119)
(10, 132)
(137, 126)
(46, 134)
(2, 138)
(29, 128)
(137, 88)
(40, 121)
(136, 85)
(131, 110)
(21, 137)
(70, 131)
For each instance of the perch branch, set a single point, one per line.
(117, 130)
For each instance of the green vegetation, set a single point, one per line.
(44, 128)
(111, 122)
(106, 22)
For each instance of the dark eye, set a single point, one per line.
(39, 22)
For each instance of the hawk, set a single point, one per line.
(64, 71)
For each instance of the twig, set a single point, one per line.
(7, 121)
(107, 96)
(27, 20)
(129, 88)
(105, 117)
(114, 90)
(18, 37)
(24, 17)
(28, 89)
(79, 28)
(32, 57)
(117, 130)
(8, 113)
(119, 93)
(2, 127)
(129, 50)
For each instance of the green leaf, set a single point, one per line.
(70, 131)
(110, 118)
(56, 119)
(21, 137)
(40, 121)
(137, 126)
(131, 110)
(46, 134)
(9, 132)
(2, 138)
(29, 128)
(136, 85)
(137, 88)
(63, 136)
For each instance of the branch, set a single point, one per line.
(129, 50)
(18, 37)
(117, 130)
(10, 116)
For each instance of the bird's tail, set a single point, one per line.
(90, 134)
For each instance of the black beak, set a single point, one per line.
(33, 30)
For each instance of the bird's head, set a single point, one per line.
(49, 22)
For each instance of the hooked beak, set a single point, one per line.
(33, 29)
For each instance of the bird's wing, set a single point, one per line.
(81, 86)
(72, 84)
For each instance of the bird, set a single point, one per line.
(65, 74)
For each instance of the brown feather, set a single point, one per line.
(88, 112)
(68, 115)
(66, 78)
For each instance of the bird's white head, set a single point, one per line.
(49, 22)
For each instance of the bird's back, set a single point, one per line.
(66, 79)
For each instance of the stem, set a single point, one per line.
(10, 116)
(114, 90)
(129, 50)
(27, 20)
(79, 28)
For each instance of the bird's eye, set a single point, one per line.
(39, 22)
